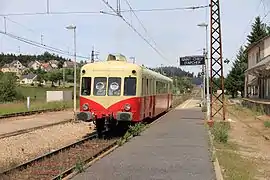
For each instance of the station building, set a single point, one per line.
(257, 75)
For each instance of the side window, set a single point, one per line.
(100, 84)
(142, 86)
(130, 86)
(86, 86)
(114, 86)
(147, 87)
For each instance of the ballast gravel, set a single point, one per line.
(21, 148)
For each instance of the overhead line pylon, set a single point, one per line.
(216, 64)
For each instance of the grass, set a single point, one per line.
(220, 130)
(133, 131)
(37, 101)
(267, 124)
(234, 166)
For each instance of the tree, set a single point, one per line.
(236, 78)
(8, 90)
(259, 31)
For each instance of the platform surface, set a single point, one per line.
(173, 148)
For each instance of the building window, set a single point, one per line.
(257, 57)
(114, 86)
(130, 86)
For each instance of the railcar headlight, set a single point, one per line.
(85, 107)
(127, 107)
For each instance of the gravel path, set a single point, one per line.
(25, 122)
(18, 149)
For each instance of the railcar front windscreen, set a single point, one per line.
(130, 86)
(114, 86)
(100, 85)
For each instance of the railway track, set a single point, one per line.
(23, 131)
(61, 162)
(28, 113)
(250, 126)
(68, 160)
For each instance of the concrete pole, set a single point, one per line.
(203, 91)
(207, 75)
(75, 74)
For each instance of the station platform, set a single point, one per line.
(175, 147)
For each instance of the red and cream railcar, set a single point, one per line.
(115, 90)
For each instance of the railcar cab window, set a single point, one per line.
(86, 86)
(100, 84)
(130, 86)
(114, 86)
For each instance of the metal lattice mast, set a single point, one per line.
(216, 60)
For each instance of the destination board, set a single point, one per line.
(192, 60)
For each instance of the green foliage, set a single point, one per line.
(79, 166)
(259, 30)
(220, 132)
(132, 131)
(136, 129)
(236, 78)
(204, 108)
(8, 90)
(267, 124)
(26, 59)
(182, 84)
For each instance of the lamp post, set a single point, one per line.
(207, 69)
(75, 76)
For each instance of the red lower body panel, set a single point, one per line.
(141, 107)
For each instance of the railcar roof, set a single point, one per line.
(119, 62)
(103, 65)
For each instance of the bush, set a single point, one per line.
(267, 124)
(220, 131)
(8, 90)
(204, 108)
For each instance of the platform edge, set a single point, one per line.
(216, 164)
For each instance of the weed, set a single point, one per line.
(267, 124)
(132, 131)
(79, 166)
(220, 132)
(60, 177)
(136, 129)
(204, 108)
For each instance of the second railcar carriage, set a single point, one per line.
(116, 90)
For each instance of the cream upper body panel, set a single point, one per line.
(120, 68)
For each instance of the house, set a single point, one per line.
(257, 79)
(28, 79)
(69, 64)
(14, 67)
(54, 64)
(46, 67)
(34, 64)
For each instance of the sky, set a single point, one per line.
(175, 33)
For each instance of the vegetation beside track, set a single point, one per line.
(241, 146)
(37, 101)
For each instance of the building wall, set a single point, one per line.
(252, 56)
(267, 47)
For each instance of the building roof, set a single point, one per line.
(263, 64)
(33, 62)
(29, 76)
(256, 43)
